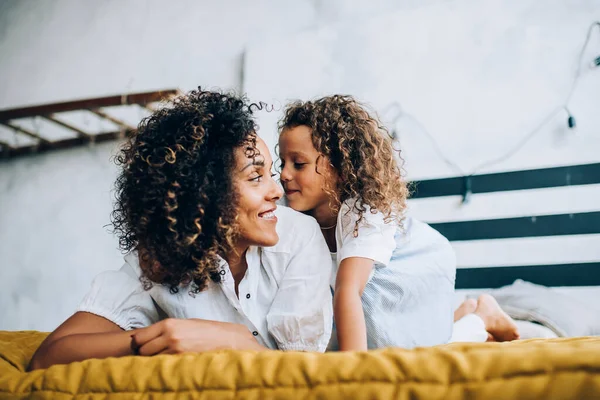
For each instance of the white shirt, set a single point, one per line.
(376, 239)
(284, 298)
(407, 301)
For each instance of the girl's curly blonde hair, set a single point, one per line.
(360, 149)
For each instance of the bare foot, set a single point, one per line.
(497, 322)
(467, 307)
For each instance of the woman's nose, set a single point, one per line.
(275, 192)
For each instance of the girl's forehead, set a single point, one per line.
(296, 141)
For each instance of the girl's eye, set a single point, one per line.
(299, 165)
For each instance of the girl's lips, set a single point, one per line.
(289, 192)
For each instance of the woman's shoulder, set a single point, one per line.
(294, 229)
(289, 217)
(132, 264)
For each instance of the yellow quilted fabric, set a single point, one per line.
(532, 369)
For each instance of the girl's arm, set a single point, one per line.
(351, 280)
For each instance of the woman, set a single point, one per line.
(212, 261)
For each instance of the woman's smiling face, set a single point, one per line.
(257, 194)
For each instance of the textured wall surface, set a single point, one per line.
(473, 80)
(477, 75)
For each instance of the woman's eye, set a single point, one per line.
(256, 179)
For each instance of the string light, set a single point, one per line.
(571, 124)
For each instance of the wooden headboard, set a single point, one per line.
(539, 225)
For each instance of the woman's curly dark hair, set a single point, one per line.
(359, 148)
(175, 199)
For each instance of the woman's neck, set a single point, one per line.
(237, 264)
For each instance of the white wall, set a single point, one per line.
(55, 50)
(478, 77)
(53, 207)
(53, 238)
(504, 63)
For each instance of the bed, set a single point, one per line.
(479, 229)
(540, 226)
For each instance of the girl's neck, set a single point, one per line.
(326, 218)
(329, 236)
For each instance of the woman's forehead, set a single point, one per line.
(264, 150)
(259, 156)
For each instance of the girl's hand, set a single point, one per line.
(176, 336)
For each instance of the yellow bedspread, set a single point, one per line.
(531, 369)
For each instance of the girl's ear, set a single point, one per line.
(334, 172)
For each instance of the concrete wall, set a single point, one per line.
(474, 80)
(54, 207)
(478, 75)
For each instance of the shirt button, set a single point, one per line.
(248, 296)
(255, 333)
(222, 272)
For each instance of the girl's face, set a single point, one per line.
(305, 172)
(257, 194)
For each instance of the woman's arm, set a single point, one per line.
(82, 336)
(115, 303)
(351, 280)
(176, 336)
(86, 335)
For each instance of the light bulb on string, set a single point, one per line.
(571, 123)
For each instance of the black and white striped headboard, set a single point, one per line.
(541, 225)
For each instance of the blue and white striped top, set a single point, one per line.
(408, 299)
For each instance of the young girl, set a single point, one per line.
(393, 275)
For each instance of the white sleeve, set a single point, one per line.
(301, 315)
(120, 297)
(375, 238)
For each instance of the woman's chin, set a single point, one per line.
(270, 240)
(266, 239)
